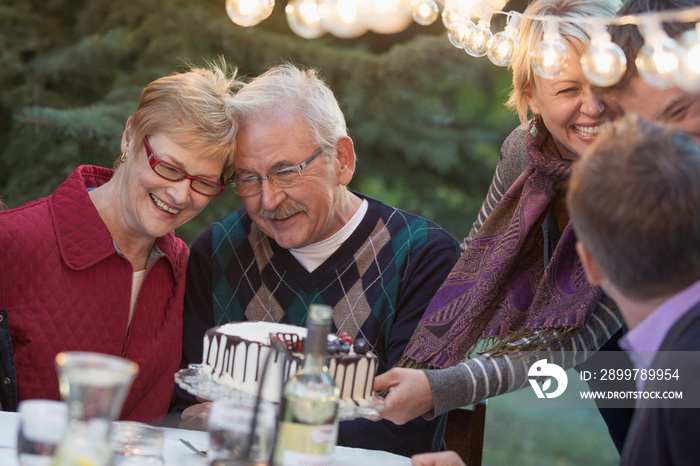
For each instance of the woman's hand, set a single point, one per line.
(409, 394)
(443, 458)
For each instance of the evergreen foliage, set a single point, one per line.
(427, 120)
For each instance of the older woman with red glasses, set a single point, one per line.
(95, 266)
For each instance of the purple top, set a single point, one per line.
(643, 341)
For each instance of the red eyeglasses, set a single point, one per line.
(170, 172)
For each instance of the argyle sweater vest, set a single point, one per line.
(385, 273)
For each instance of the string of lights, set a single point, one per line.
(662, 62)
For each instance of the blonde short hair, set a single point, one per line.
(531, 32)
(190, 108)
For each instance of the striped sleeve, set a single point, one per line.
(496, 191)
(484, 377)
(512, 161)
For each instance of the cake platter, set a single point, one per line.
(370, 410)
(197, 381)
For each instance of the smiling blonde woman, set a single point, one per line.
(519, 285)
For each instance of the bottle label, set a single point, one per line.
(325, 435)
(306, 445)
(294, 458)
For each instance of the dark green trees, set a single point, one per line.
(427, 120)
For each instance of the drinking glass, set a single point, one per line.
(42, 424)
(94, 385)
(230, 424)
(136, 444)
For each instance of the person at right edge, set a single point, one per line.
(635, 207)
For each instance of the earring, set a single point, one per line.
(123, 158)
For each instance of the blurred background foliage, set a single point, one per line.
(427, 119)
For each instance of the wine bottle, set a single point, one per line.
(308, 428)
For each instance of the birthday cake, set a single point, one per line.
(235, 354)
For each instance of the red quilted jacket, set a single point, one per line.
(66, 288)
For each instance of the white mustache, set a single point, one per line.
(282, 212)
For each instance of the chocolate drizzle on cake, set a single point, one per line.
(344, 366)
(231, 344)
(226, 347)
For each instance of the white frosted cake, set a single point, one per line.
(235, 354)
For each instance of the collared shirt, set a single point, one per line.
(643, 341)
(313, 255)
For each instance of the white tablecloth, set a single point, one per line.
(176, 453)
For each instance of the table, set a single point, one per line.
(177, 454)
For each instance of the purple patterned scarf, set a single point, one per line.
(500, 293)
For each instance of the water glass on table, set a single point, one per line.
(230, 424)
(136, 444)
(42, 424)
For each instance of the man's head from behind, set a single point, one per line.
(634, 200)
(672, 106)
(293, 157)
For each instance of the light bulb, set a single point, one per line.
(304, 18)
(687, 76)
(604, 62)
(502, 49)
(470, 8)
(425, 12)
(658, 58)
(341, 18)
(249, 12)
(450, 16)
(458, 10)
(476, 43)
(550, 57)
(656, 64)
(504, 46)
(385, 16)
(458, 32)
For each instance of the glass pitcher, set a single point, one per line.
(94, 386)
